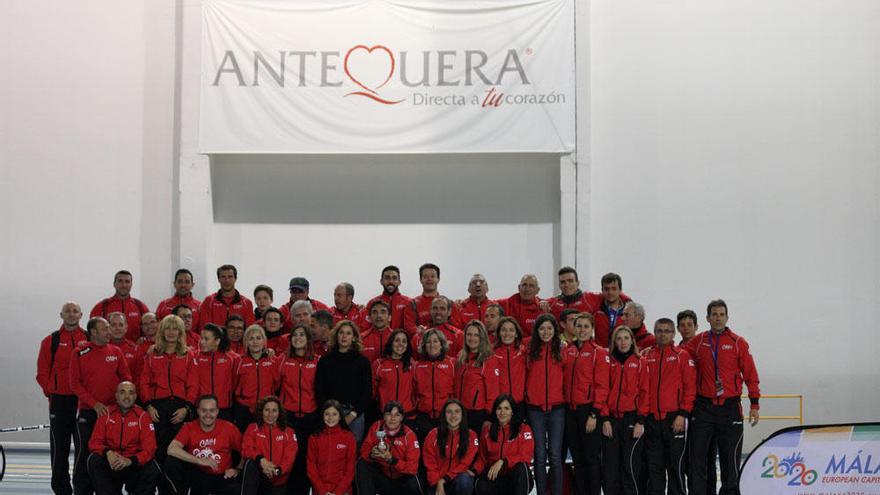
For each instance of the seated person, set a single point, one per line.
(269, 448)
(389, 456)
(506, 450)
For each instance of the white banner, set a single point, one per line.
(387, 76)
(829, 460)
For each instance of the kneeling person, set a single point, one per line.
(205, 454)
(389, 456)
(269, 448)
(122, 447)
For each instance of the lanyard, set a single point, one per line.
(713, 342)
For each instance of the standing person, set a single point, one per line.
(216, 369)
(123, 302)
(118, 330)
(202, 455)
(191, 334)
(376, 335)
(344, 307)
(623, 418)
(96, 368)
(506, 448)
(149, 327)
(724, 363)
(53, 364)
(344, 375)
(476, 375)
(420, 307)
(277, 338)
(434, 379)
(169, 385)
(610, 312)
(263, 297)
(183, 286)
(687, 326)
(571, 296)
(393, 375)
(299, 291)
(474, 307)
(390, 454)
(122, 447)
(524, 305)
(235, 326)
(440, 312)
(217, 307)
(586, 390)
(254, 377)
(401, 317)
(332, 453)
(320, 322)
(633, 317)
(671, 392)
(269, 447)
(511, 355)
(492, 318)
(295, 377)
(449, 451)
(545, 403)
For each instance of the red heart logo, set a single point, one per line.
(369, 67)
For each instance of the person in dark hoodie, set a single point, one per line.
(344, 375)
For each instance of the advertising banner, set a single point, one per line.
(816, 460)
(383, 76)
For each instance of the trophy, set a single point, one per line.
(380, 434)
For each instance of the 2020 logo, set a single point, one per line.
(792, 466)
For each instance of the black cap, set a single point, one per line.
(299, 283)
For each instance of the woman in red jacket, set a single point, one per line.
(434, 378)
(476, 375)
(623, 418)
(448, 452)
(512, 363)
(506, 447)
(276, 338)
(216, 368)
(332, 453)
(393, 375)
(545, 403)
(254, 378)
(586, 390)
(269, 447)
(389, 461)
(169, 384)
(295, 378)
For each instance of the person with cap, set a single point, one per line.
(183, 285)
(299, 291)
(123, 302)
(122, 448)
(53, 363)
(217, 307)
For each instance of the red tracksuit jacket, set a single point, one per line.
(628, 388)
(169, 375)
(586, 376)
(672, 381)
(130, 434)
(405, 451)
(330, 460)
(131, 307)
(513, 451)
(525, 312)
(287, 323)
(433, 384)
(512, 364)
(95, 371)
(130, 351)
(53, 376)
(582, 302)
(445, 463)
(401, 317)
(295, 377)
(544, 379)
(354, 313)
(735, 366)
(254, 379)
(454, 336)
(272, 443)
(420, 313)
(217, 375)
(374, 342)
(391, 381)
(471, 309)
(602, 327)
(476, 386)
(164, 308)
(215, 309)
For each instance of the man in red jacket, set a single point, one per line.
(524, 305)
(420, 309)
(399, 304)
(633, 317)
(203, 454)
(122, 448)
(299, 291)
(474, 307)
(671, 392)
(571, 296)
(183, 286)
(118, 331)
(217, 307)
(96, 369)
(52, 375)
(724, 363)
(344, 307)
(123, 302)
(609, 311)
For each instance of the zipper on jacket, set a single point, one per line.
(170, 387)
(573, 373)
(121, 430)
(300, 389)
(433, 391)
(659, 381)
(397, 384)
(270, 443)
(620, 385)
(212, 373)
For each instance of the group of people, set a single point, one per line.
(402, 395)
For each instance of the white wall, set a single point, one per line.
(85, 182)
(734, 154)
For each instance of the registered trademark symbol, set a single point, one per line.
(529, 51)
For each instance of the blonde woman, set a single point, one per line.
(169, 382)
(344, 375)
(476, 375)
(254, 377)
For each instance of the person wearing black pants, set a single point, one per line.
(62, 427)
(665, 450)
(304, 426)
(85, 424)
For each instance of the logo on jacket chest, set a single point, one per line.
(132, 423)
(341, 446)
(111, 359)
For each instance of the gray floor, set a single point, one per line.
(27, 472)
